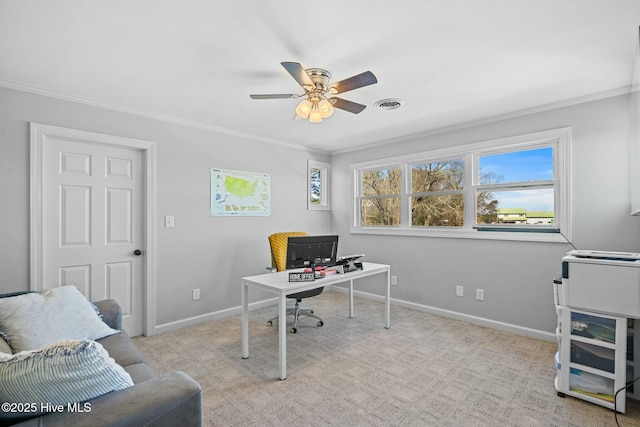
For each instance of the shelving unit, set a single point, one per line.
(592, 357)
(597, 301)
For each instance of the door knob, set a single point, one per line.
(137, 252)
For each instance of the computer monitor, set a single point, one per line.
(302, 251)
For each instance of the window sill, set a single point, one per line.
(527, 236)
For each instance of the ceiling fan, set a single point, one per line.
(318, 103)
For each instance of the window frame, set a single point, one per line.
(325, 189)
(560, 231)
(401, 195)
(411, 194)
(516, 185)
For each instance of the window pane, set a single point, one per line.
(380, 211)
(437, 176)
(438, 211)
(516, 207)
(315, 182)
(381, 182)
(518, 166)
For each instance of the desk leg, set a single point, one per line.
(351, 298)
(387, 302)
(282, 335)
(245, 320)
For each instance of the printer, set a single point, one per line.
(601, 281)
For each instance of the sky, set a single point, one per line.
(530, 165)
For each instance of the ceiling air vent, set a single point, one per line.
(389, 104)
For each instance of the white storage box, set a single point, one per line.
(605, 282)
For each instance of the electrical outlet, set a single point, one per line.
(195, 294)
(480, 294)
(459, 291)
(394, 280)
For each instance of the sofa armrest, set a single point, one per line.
(171, 400)
(111, 312)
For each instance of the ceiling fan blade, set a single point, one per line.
(360, 80)
(298, 73)
(350, 106)
(275, 96)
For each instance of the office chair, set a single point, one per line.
(278, 243)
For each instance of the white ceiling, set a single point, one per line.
(197, 61)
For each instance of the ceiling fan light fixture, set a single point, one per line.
(316, 85)
(304, 108)
(315, 116)
(326, 109)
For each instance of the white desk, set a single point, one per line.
(278, 283)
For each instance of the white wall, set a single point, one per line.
(213, 253)
(516, 276)
(201, 251)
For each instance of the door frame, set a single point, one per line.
(39, 135)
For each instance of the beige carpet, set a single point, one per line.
(424, 371)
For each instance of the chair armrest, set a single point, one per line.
(111, 312)
(171, 400)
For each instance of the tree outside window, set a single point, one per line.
(318, 179)
(437, 197)
(380, 202)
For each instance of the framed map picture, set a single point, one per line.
(236, 193)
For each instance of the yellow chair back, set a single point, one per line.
(278, 243)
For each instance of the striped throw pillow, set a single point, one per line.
(60, 374)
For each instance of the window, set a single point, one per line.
(512, 188)
(516, 187)
(318, 185)
(437, 194)
(380, 196)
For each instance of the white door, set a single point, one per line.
(92, 222)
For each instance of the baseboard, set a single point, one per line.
(520, 330)
(191, 321)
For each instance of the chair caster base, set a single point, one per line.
(297, 312)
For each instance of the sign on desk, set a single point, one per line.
(302, 277)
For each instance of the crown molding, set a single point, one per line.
(148, 114)
(538, 109)
(220, 130)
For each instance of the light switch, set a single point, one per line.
(169, 221)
